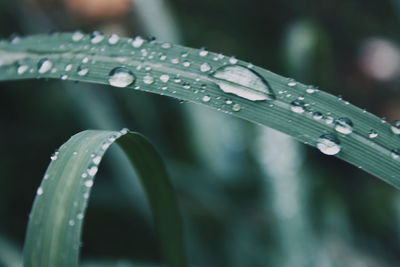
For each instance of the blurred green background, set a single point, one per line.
(249, 196)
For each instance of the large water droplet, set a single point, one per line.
(395, 127)
(96, 37)
(21, 69)
(328, 144)
(344, 125)
(121, 77)
(297, 106)
(372, 134)
(205, 67)
(44, 65)
(164, 78)
(243, 82)
(82, 70)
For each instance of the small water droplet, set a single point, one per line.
(39, 191)
(317, 115)
(92, 170)
(186, 85)
(148, 79)
(54, 156)
(96, 37)
(21, 69)
(344, 125)
(228, 102)
(310, 90)
(175, 60)
(71, 222)
(68, 67)
(77, 36)
(137, 42)
(64, 77)
(164, 78)
(243, 82)
(82, 70)
(89, 183)
(203, 52)
(395, 127)
(166, 45)
(79, 216)
(395, 154)
(233, 60)
(44, 65)
(372, 133)
(297, 106)
(121, 77)
(206, 98)
(113, 39)
(236, 107)
(205, 67)
(291, 83)
(328, 144)
(96, 160)
(186, 64)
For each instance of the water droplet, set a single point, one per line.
(205, 67)
(54, 156)
(68, 67)
(206, 98)
(137, 42)
(96, 160)
(175, 60)
(89, 183)
(96, 37)
(71, 222)
(166, 45)
(77, 36)
(64, 77)
(44, 65)
(85, 60)
(121, 77)
(297, 106)
(233, 60)
(228, 102)
(344, 125)
(395, 127)
(243, 82)
(92, 170)
(317, 115)
(79, 216)
(21, 69)
(39, 191)
(186, 85)
(236, 107)
(82, 70)
(186, 64)
(395, 154)
(113, 39)
(148, 79)
(203, 52)
(310, 90)
(372, 133)
(291, 83)
(329, 120)
(328, 144)
(164, 78)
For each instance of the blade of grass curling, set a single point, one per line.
(55, 225)
(223, 83)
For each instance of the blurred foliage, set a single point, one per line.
(229, 219)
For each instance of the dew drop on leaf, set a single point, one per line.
(297, 106)
(395, 127)
(317, 115)
(206, 98)
(242, 82)
(96, 37)
(205, 67)
(39, 191)
(372, 134)
(82, 70)
(344, 125)
(164, 78)
(395, 153)
(92, 170)
(44, 65)
(121, 77)
(328, 144)
(148, 79)
(21, 69)
(113, 39)
(236, 107)
(77, 36)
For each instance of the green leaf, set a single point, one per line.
(55, 225)
(190, 74)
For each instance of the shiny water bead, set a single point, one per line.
(137, 42)
(233, 60)
(96, 37)
(372, 134)
(205, 67)
(166, 45)
(40, 191)
(92, 170)
(82, 70)
(77, 36)
(395, 127)
(297, 106)
(203, 52)
(113, 39)
(148, 79)
(121, 77)
(21, 69)
(344, 125)
(395, 154)
(164, 78)
(317, 115)
(206, 98)
(236, 107)
(44, 65)
(328, 144)
(68, 67)
(243, 82)
(291, 83)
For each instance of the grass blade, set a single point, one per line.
(189, 74)
(55, 225)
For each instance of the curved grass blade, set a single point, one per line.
(55, 225)
(199, 76)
